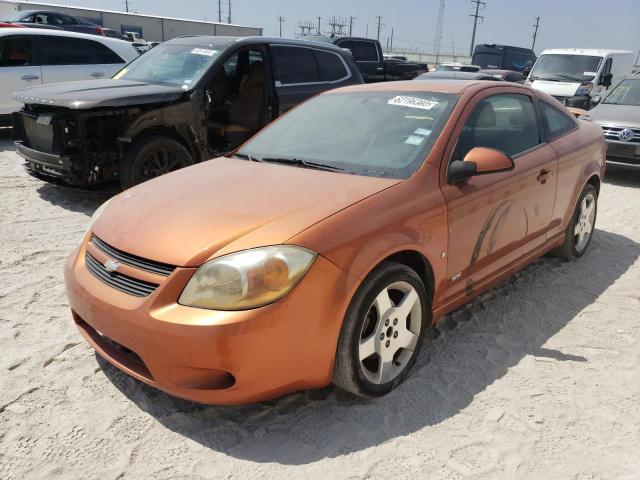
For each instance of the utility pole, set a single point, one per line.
(318, 33)
(280, 20)
(229, 17)
(219, 11)
(126, 6)
(535, 32)
(351, 25)
(379, 26)
(437, 41)
(392, 38)
(453, 51)
(475, 23)
(366, 35)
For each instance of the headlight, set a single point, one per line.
(247, 279)
(98, 212)
(584, 89)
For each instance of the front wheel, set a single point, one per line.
(152, 157)
(580, 229)
(382, 332)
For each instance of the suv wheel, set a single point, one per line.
(151, 157)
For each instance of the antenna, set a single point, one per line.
(475, 22)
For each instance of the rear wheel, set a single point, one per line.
(382, 332)
(152, 157)
(580, 229)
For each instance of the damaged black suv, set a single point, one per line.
(185, 101)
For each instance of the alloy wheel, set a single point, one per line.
(390, 333)
(585, 222)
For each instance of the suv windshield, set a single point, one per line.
(563, 68)
(171, 64)
(377, 134)
(626, 93)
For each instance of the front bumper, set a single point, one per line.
(623, 153)
(212, 356)
(44, 163)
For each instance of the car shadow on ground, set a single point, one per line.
(476, 346)
(84, 200)
(622, 176)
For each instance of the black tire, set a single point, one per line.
(151, 157)
(571, 249)
(348, 372)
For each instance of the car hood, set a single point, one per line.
(226, 205)
(557, 89)
(98, 93)
(619, 115)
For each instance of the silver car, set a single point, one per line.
(618, 113)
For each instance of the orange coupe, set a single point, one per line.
(327, 245)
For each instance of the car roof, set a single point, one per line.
(454, 75)
(223, 41)
(583, 51)
(436, 85)
(57, 33)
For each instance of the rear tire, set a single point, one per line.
(580, 229)
(382, 332)
(152, 157)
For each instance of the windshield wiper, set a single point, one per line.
(304, 164)
(569, 77)
(246, 156)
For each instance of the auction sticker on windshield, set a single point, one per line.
(204, 51)
(413, 102)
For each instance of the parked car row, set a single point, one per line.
(56, 21)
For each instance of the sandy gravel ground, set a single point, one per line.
(539, 379)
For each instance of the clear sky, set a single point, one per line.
(563, 23)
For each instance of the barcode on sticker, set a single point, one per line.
(413, 102)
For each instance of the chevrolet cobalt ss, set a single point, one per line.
(325, 247)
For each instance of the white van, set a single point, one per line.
(33, 56)
(575, 75)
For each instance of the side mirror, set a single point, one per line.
(595, 100)
(479, 161)
(605, 79)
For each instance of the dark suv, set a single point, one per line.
(185, 101)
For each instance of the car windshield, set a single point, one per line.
(626, 92)
(377, 134)
(566, 68)
(171, 64)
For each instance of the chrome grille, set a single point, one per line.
(124, 283)
(611, 133)
(132, 260)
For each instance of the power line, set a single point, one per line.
(280, 20)
(535, 32)
(475, 22)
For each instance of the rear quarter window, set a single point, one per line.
(558, 123)
(332, 67)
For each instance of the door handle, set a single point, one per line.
(97, 74)
(542, 176)
(30, 77)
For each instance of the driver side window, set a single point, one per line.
(505, 122)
